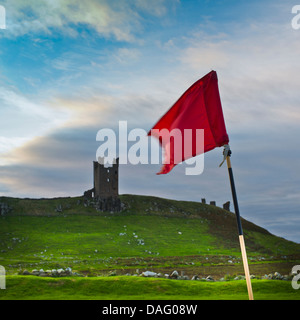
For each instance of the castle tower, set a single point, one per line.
(105, 194)
(106, 182)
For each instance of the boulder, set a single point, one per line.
(240, 278)
(68, 271)
(43, 274)
(174, 275)
(148, 274)
(26, 273)
(35, 272)
(54, 272)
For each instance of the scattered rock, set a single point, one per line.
(240, 278)
(35, 272)
(278, 276)
(68, 271)
(51, 273)
(54, 272)
(148, 274)
(26, 273)
(43, 274)
(174, 275)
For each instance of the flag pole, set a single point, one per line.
(227, 153)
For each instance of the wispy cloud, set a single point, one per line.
(22, 120)
(118, 19)
(258, 74)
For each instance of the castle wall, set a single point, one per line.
(106, 180)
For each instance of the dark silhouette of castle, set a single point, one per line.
(105, 193)
(106, 182)
(106, 186)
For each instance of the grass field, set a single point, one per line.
(139, 288)
(154, 234)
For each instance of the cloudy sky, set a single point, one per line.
(69, 68)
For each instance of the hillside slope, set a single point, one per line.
(150, 232)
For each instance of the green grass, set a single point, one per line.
(138, 288)
(150, 234)
(106, 242)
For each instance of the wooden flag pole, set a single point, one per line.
(239, 224)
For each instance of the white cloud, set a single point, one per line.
(125, 55)
(22, 120)
(118, 19)
(259, 72)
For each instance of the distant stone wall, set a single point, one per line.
(226, 205)
(89, 193)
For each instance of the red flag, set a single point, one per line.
(198, 108)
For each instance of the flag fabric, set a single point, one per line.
(198, 108)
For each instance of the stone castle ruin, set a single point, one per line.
(226, 205)
(104, 196)
(105, 193)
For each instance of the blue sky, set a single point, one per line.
(69, 68)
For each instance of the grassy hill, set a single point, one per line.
(139, 288)
(149, 234)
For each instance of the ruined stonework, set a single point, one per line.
(106, 187)
(226, 206)
(106, 182)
